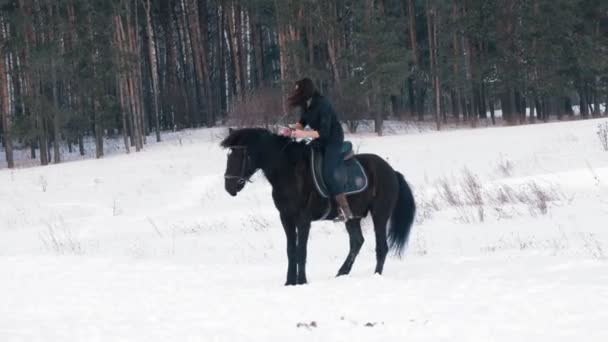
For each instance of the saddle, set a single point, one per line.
(351, 172)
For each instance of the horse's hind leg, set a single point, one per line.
(356, 241)
(380, 218)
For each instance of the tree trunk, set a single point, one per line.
(283, 65)
(414, 94)
(54, 84)
(437, 79)
(98, 130)
(583, 106)
(256, 30)
(332, 48)
(120, 46)
(48, 37)
(211, 106)
(240, 52)
(293, 36)
(431, 29)
(221, 46)
(235, 47)
(135, 79)
(512, 106)
(125, 115)
(134, 32)
(507, 105)
(193, 24)
(532, 109)
(153, 68)
(539, 109)
(126, 41)
(43, 141)
(30, 88)
(97, 120)
(411, 96)
(174, 118)
(311, 42)
(454, 104)
(596, 98)
(6, 118)
(411, 20)
(483, 112)
(550, 106)
(81, 144)
(568, 106)
(187, 75)
(56, 121)
(377, 104)
(457, 104)
(469, 73)
(5, 107)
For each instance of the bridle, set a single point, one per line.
(241, 179)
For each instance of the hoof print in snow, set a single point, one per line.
(312, 324)
(371, 325)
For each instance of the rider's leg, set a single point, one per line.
(332, 161)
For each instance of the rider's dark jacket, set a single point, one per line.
(321, 116)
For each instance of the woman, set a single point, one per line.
(319, 115)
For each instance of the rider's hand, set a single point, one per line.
(286, 132)
(299, 134)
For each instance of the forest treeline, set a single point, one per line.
(73, 69)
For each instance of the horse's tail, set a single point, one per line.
(402, 217)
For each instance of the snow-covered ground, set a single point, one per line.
(510, 244)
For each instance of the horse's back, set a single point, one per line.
(378, 170)
(372, 162)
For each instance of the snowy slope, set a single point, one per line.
(149, 247)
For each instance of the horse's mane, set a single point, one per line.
(263, 144)
(247, 137)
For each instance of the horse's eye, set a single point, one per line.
(229, 151)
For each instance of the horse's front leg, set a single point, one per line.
(290, 233)
(303, 230)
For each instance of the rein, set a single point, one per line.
(241, 179)
(285, 146)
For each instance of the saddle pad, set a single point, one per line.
(351, 172)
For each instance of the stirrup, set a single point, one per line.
(342, 217)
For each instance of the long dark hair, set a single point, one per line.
(303, 90)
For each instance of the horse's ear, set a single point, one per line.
(230, 130)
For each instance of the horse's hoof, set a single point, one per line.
(342, 272)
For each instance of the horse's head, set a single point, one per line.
(244, 157)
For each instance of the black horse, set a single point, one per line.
(286, 165)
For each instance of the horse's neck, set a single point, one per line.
(282, 171)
